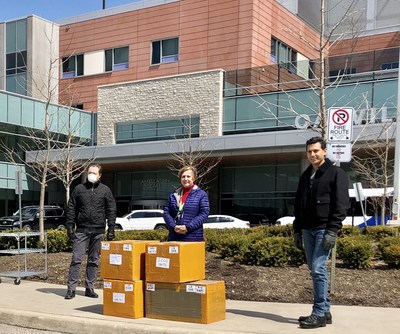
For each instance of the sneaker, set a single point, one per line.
(313, 321)
(90, 293)
(70, 294)
(328, 318)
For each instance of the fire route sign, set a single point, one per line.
(340, 124)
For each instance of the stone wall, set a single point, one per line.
(196, 94)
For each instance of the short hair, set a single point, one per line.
(95, 165)
(315, 140)
(186, 168)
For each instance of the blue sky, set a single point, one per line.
(53, 9)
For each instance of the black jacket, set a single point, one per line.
(90, 207)
(322, 204)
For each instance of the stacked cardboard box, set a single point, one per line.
(123, 272)
(175, 288)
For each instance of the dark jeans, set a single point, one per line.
(89, 242)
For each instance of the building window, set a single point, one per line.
(16, 56)
(390, 66)
(342, 73)
(117, 59)
(165, 51)
(157, 130)
(72, 66)
(283, 55)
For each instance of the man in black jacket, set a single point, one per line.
(322, 200)
(90, 208)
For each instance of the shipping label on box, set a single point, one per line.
(175, 262)
(123, 298)
(199, 301)
(123, 260)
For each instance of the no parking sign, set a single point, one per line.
(340, 124)
(340, 134)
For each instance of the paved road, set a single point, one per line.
(21, 330)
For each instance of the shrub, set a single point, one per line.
(268, 252)
(386, 242)
(391, 255)
(379, 232)
(233, 247)
(349, 230)
(58, 241)
(215, 237)
(159, 235)
(355, 251)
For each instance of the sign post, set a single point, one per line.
(340, 134)
(18, 191)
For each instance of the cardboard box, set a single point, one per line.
(175, 262)
(123, 260)
(123, 298)
(200, 301)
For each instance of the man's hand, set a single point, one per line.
(110, 234)
(329, 240)
(71, 232)
(298, 241)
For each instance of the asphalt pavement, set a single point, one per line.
(40, 305)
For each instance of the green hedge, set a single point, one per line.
(355, 251)
(261, 246)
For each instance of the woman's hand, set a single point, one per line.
(180, 229)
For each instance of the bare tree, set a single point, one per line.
(59, 134)
(65, 164)
(374, 162)
(193, 152)
(317, 83)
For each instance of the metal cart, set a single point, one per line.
(22, 251)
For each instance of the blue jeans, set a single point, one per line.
(317, 258)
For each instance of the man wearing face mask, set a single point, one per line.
(90, 208)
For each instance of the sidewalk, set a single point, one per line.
(42, 306)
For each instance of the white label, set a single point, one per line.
(107, 285)
(162, 262)
(105, 245)
(152, 250)
(127, 247)
(116, 259)
(128, 287)
(150, 287)
(173, 249)
(118, 297)
(196, 289)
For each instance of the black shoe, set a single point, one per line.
(90, 293)
(328, 318)
(70, 294)
(313, 322)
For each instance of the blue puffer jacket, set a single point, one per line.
(195, 213)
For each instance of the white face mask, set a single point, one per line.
(92, 178)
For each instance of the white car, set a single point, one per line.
(224, 221)
(142, 220)
(285, 220)
(358, 220)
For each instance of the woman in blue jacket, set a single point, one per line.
(187, 208)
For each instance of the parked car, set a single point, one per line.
(359, 221)
(54, 218)
(286, 220)
(224, 221)
(255, 219)
(151, 219)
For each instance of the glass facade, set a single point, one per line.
(16, 56)
(157, 130)
(280, 111)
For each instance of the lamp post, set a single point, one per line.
(395, 208)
